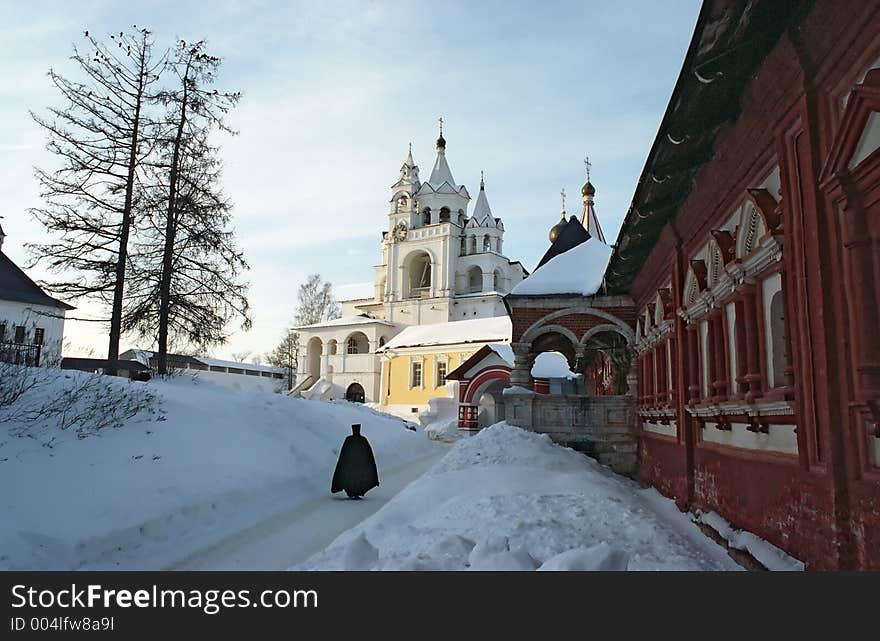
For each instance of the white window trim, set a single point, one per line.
(437, 362)
(421, 363)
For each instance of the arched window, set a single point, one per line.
(331, 347)
(381, 341)
(473, 244)
(498, 281)
(357, 343)
(461, 217)
(475, 280)
(426, 216)
(463, 245)
(444, 214)
(487, 243)
(418, 273)
(402, 202)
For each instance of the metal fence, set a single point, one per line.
(20, 354)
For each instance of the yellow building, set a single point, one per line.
(416, 361)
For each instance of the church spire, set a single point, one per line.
(481, 207)
(441, 172)
(409, 162)
(589, 220)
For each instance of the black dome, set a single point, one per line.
(588, 189)
(556, 229)
(441, 142)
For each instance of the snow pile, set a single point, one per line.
(148, 494)
(770, 556)
(552, 365)
(508, 499)
(580, 270)
(441, 419)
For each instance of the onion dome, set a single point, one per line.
(588, 189)
(557, 229)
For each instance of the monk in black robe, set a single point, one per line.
(356, 468)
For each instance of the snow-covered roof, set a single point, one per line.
(477, 330)
(504, 350)
(143, 356)
(345, 320)
(578, 271)
(354, 291)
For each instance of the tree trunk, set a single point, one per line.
(170, 233)
(122, 258)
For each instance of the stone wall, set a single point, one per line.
(602, 427)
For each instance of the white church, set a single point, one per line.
(439, 264)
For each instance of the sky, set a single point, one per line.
(332, 95)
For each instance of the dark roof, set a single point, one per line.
(731, 39)
(472, 360)
(570, 236)
(78, 363)
(16, 286)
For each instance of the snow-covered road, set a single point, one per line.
(293, 536)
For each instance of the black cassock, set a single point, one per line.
(356, 468)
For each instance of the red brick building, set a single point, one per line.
(751, 254)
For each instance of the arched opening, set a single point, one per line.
(444, 214)
(382, 341)
(418, 274)
(314, 351)
(463, 251)
(475, 280)
(426, 216)
(497, 281)
(473, 244)
(779, 358)
(402, 203)
(606, 363)
(552, 374)
(487, 243)
(490, 407)
(461, 217)
(357, 343)
(331, 347)
(355, 393)
(555, 342)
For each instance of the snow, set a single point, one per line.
(770, 556)
(347, 320)
(440, 420)
(516, 389)
(476, 330)
(144, 495)
(508, 499)
(552, 365)
(580, 270)
(504, 350)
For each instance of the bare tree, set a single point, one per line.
(101, 137)
(285, 354)
(188, 264)
(316, 302)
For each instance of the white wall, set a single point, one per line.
(51, 319)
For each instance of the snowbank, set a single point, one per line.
(770, 556)
(508, 499)
(150, 493)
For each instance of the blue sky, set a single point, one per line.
(333, 92)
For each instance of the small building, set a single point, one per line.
(126, 369)
(231, 374)
(416, 362)
(31, 321)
